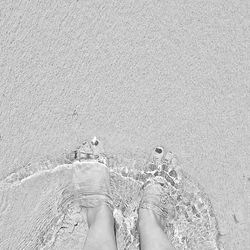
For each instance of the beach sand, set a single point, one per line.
(137, 74)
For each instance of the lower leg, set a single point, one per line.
(101, 234)
(152, 235)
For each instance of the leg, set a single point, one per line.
(153, 212)
(151, 233)
(91, 182)
(101, 235)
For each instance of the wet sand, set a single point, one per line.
(138, 75)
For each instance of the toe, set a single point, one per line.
(155, 158)
(168, 157)
(158, 154)
(97, 146)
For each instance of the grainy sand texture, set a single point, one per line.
(137, 74)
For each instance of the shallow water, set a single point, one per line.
(50, 218)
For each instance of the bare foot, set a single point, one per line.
(153, 214)
(156, 205)
(91, 182)
(155, 208)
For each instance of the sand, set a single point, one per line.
(137, 74)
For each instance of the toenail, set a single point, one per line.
(75, 154)
(95, 143)
(173, 173)
(164, 167)
(158, 150)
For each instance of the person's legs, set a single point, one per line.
(150, 227)
(91, 183)
(92, 190)
(151, 233)
(101, 234)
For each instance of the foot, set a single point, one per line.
(91, 183)
(154, 212)
(156, 204)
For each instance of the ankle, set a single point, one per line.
(102, 214)
(148, 217)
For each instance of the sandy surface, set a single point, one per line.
(137, 74)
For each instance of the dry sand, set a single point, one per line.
(137, 74)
